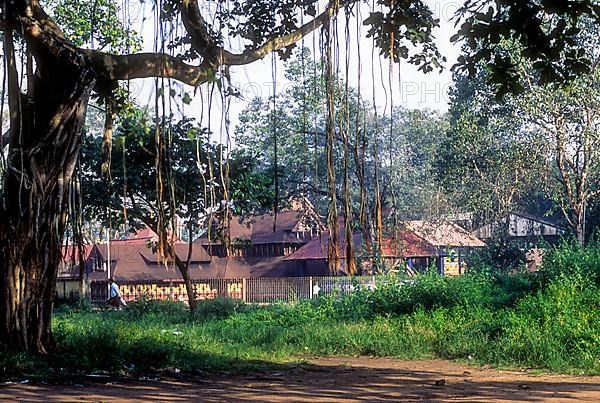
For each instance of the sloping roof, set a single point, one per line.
(71, 252)
(316, 249)
(198, 254)
(143, 233)
(259, 229)
(532, 217)
(132, 259)
(410, 245)
(443, 234)
(405, 245)
(139, 269)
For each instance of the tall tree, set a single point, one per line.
(551, 115)
(196, 193)
(567, 119)
(489, 160)
(130, 190)
(544, 33)
(48, 108)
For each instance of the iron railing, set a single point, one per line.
(261, 290)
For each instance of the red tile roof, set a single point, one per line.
(407, 244)
(443, 235)
(259, 229)
(138, 266)
(404, 245)
(71, 252)
(133, 259)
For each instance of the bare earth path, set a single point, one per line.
(330, 380)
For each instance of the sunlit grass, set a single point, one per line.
(549, 322)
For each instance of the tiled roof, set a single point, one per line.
(259, 229)
(132, 260)
(405, 244)
(444, 234)
(69, 267)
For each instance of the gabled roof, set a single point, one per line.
(316, 249)
(259, 229)
(198, 254)
(405, 245)
(72, 252)
(132, 259)
(411, 245)
(69, 267)
(443, 234)
(138, 263)
(541, 220)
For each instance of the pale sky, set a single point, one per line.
(415, 90)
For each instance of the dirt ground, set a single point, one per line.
(328, 380)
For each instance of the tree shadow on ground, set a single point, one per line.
(323, 380)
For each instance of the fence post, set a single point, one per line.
(244, 295)
(310, 286)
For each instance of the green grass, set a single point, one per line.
(549, 322)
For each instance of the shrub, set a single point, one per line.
(557, 328)
(218, 308)
(550, 321)
(568, 259)
(168, 310)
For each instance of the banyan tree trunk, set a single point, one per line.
(45, 138)
(189, 286)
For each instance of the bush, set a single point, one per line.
(569, 259)
(429, 292)
(219, 308)
(550, 321)
(166, 310)
(557, 328)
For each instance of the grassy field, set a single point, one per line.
(549, 321)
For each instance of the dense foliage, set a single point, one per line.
(401, 147)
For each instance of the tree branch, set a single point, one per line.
(112, 67)
(282, 42)
(206, 45)
(195, 25)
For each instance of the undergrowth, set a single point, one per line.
(549, 321)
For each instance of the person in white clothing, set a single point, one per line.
(114, 297)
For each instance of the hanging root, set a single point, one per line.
(107, 139)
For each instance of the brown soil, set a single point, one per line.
(329, 380)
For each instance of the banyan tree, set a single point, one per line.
(49, 79)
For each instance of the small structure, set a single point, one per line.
(72, 273)
(522, 230)
(451, 241)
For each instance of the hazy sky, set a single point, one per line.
(415, 89)
(410, 88)
(419, 90)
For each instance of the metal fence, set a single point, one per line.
(250, 290)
